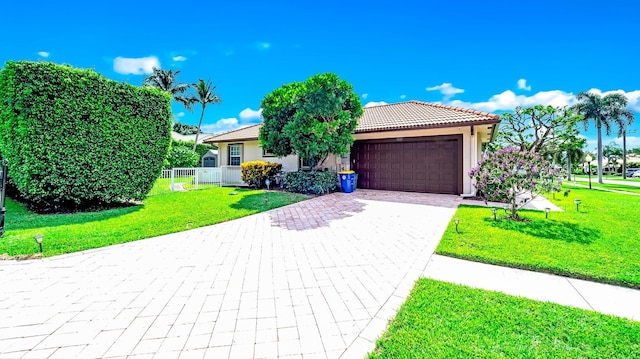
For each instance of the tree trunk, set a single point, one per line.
(568, 165)
(198, 131)
(624, 153)
(599, 126)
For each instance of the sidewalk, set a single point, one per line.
(603, 298)
(594, 181)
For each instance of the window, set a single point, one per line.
(306, 164)
(235, 154)
(265, 153)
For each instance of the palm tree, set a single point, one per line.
(204, 95)
(166, 81)
(623, 124)
(604, 111)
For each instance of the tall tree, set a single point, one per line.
(311, 119)
(205, 95)
(626, 120)
(545, 130)
(166, 81)
(605, 111)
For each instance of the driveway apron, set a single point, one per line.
(316, 279)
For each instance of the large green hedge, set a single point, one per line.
(75, 138)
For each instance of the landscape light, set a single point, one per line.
(456, 221)
(577, 202)
(39, 238)
(546, 212)
(494, 210)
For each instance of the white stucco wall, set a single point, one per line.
(251, 151)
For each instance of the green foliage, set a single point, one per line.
(181, 156)
(255, 173)
(443, 320)
(605, 111)
(201, 148)
(205, 95)
(311, 119)
(167, 81)
(514, 177)
(310, 182)
(601, 242)
(162, 214)
(545, 130)
(75, 138)
(184, 129)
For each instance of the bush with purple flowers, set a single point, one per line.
(514, 177)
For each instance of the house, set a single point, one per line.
(210, 159)
(409, 146)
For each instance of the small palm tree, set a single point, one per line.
(205, 95)
(166, 81)
(605, 111)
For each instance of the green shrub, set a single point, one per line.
(255, 173)
(180, 156)
(201, 148)
(313, 182)
(75, 138)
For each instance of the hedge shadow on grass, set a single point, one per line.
(550, 229)
(19, 217)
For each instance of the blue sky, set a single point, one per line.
(487, 55)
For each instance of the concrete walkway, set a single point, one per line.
(317, 279)
(603, 298)
(594, 181)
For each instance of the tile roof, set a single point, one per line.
(397, 116)
(418, 114)
(241, 134)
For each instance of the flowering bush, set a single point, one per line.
(514, 177)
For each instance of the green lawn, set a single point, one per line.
(168, 213)
(616, 187)
(442, 320)
(601, 242)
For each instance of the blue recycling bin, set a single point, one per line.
(347, 181)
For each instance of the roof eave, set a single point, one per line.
(424, 127)
(233, 140)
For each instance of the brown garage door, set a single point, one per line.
(423, 164)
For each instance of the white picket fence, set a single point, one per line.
(186, 179)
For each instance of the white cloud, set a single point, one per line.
(135, 66)
(179, 58)
(403, 96)
(446, 89)
(365, 95)
(508, 100)
(263, 45)
(249, 114)
(43, 54)
(223, 125)
(632, 142)
(374, 103)
(179, 114)
(522, 85)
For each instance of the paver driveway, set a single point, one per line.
(317, 279)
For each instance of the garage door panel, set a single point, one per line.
(417, 165)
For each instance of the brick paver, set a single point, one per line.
(317, 279)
